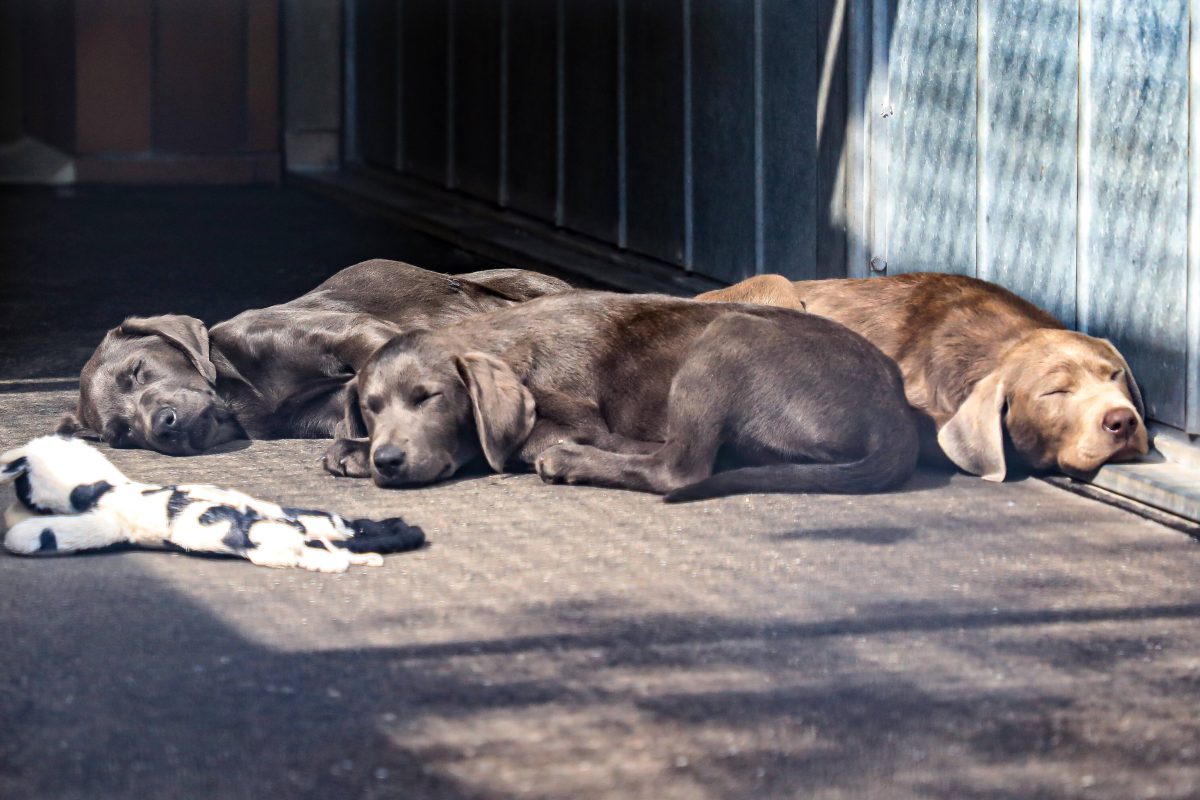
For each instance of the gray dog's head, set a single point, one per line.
(420, 411)
(150, 384)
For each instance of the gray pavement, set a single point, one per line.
(956, 639)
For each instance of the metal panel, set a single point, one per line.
(1028, 93)
(723, 119)
(375, 77)
(530, 178)
(477, 97)
(832, 140)
(928, 130)
(1135, 109)
(789, 69)
(590, 199)
(426, 87)
(1193, 239)
(654, 127)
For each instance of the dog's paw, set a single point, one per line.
(558, 464)
(348, 458)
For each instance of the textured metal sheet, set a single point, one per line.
(1136, 115)
(476, 110)
(532, 78)
(426, 88)
(1193, 281)
(654, 127)
(790, 70)
(930, 133)
(1028, 119)
(375, 81)
(590, 197)
(723, 90)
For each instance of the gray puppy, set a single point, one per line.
(633, 391)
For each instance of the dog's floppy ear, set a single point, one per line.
(186, 333)
(13, 465)
(1135, 393)
(974, 436)
(71, 425)
(352, 425)
(504, 408)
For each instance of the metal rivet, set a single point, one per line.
(878, 265)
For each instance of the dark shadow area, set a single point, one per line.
(858, 535)
(131, 690)
(75, 261)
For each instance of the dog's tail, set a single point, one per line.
(885, 466)
(382, 536)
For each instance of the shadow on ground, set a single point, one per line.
(131, 690)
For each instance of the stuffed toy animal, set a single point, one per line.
(70, 497)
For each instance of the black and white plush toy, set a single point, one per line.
(70, 497)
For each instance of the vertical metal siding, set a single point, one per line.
(1028, 168)
(684, 130)
(426, 89)
(790, 51)
(590, 201)
(928, 124)
(531, 163)
(654, 128)
(723, 95)
(476, 111)
(1044, 145)
(1137, 243)
(375, 80)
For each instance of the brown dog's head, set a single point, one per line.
(150, 384)
(420, 412)
(1068, 402)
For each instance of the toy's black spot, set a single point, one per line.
(85, 497)
(153, 490)
(238, 535)
(47, 542)
(178, 501)
(167, 544)
(16, 465)
(384, 536)
(25, 494)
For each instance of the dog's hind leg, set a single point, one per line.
(697, 408)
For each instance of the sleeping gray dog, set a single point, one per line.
(633, 391)
(169, 384)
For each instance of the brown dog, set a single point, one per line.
(633, 391)
(168, 383)
(979, 361)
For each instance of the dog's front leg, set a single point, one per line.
(348, 458)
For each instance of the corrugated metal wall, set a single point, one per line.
(1042, 144)
(684, 130)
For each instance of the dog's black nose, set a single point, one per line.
(1120, 422)
(388, 459)
(164, 422)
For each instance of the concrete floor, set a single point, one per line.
(956, 639)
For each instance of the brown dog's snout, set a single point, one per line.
(1120, 422)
